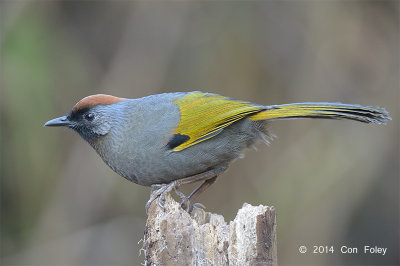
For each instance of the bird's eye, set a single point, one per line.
(89, 117)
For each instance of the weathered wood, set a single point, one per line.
(173, 237)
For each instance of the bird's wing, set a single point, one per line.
(205, 115)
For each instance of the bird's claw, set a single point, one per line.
(185, 204)
(198, 205)
(185, 200)
(159, 190)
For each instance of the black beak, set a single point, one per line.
(58, 122)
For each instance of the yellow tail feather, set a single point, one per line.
(366, 114)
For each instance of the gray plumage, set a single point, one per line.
(133, 136)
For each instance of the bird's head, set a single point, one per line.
(91, 117)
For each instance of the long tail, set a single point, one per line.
(366, 114)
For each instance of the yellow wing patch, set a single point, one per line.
(205, 115)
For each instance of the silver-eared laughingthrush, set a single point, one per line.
(171, 139)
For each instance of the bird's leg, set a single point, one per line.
(163, 189)
(200, 189)
(180, 194)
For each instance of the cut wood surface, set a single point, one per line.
(175, 237)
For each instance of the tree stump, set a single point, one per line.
(175, 237)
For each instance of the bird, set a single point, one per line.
(171, 139)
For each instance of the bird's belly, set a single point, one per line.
(160, 165)
(149, 161)
(165, 166)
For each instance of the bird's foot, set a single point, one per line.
(185, 204)
(160, 191)
(185, 200)
(197, 205)
(190, 208)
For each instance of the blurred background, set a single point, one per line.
(332, 182)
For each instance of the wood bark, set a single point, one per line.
(175, 237)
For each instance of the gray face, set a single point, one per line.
(90, 122)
